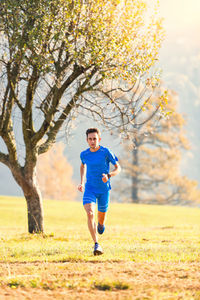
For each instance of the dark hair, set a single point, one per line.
(91, 130)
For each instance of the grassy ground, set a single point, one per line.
(151, 252)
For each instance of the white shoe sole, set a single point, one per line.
(98, 252)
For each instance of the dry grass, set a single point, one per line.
(116, 280)
(151, 252)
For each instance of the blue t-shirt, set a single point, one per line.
(97, 163)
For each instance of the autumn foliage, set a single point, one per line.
(54, 175)
(153, 159)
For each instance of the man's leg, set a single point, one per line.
(101, 217)
(90, 210)
(103, 202)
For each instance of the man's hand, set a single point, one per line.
(81, 188)
(104, 178)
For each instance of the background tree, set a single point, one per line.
(55, 57)
(54, 175)
(153, 161)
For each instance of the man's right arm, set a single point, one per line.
(82, 173)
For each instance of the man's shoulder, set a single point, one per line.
(85, 152)
(110, 155)
(105, 149)
(102, 148)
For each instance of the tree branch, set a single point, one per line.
(150, 117)
(9, 140)
(57, 95)
(4, 159)
(28, 130)
(3, 108)
(58, 124)
(10, 99)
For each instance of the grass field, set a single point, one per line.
(151, 252)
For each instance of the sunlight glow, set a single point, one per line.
(181, 14)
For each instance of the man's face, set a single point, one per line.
(93, 140)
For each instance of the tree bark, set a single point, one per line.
(135, 198)
(33, 197)
(35, 209)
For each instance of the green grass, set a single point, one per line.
(133, 232)
(145, 246)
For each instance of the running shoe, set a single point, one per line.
(100, 228)
(97, 249)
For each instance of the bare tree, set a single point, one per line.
(152, 161)
(55, 59)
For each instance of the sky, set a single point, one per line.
(181, 17)
(181, 13)
(180, 51)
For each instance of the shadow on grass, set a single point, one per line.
(110, 286)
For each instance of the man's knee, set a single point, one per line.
(90, 213)
(89, 208)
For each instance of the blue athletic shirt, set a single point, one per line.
(97, 163)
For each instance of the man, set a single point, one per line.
(97, 159)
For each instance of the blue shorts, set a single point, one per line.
(102, 199)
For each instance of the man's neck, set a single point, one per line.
(95, 149)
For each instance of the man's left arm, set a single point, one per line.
(114, 172)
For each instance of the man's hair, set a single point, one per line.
(91, 130)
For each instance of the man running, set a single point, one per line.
(97, 187)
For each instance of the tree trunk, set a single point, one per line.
(33, 199)
(35, 209)
(135, 198)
